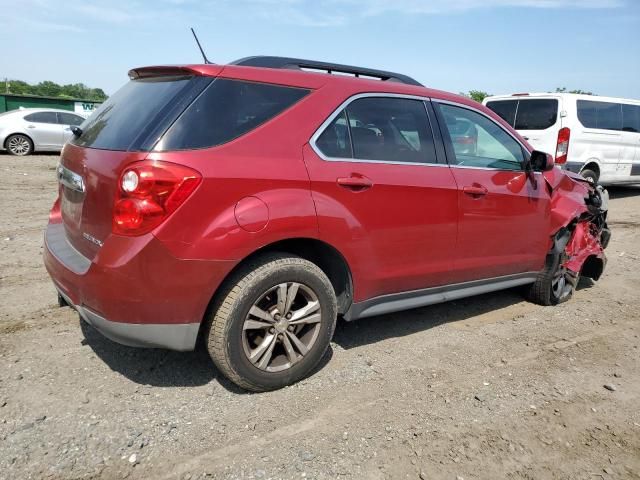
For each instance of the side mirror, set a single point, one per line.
(541, 162)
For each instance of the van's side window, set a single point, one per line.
(603, 115)
(506, 109)
(631, 118)
(479, 142)
(380, 129)
(536, 114)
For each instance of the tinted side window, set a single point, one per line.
(334, 141)
(505, 109)
(226, 110)
(479, 142)
(42, 117)
(603, 115)
(69, 119)
(536, 114)
(631, 118)
(391, 129)
(610, 116)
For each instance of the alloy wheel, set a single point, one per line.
(281, 327)
(563, 283)
(18, 145)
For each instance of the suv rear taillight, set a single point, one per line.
(562, 147)
(148, 192)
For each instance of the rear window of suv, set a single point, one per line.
(530, 114)
(226, 110)
(119, 121)
(183, 112)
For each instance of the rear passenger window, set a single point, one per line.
(69, 119)
(479, 142)
(603, 115)
(334, 141)
(536, 114)
(506, 109)
(380, 129)
(226, 110)
(391, 129)
(631, 118)
(42, 117)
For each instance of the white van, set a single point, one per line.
(598, 137)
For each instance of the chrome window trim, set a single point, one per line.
(320, 130)
(70, 179)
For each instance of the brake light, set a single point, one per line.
(562, 148)
(148, 192)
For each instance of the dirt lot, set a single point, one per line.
(490, 387)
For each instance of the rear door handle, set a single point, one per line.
(475, 190)
(355, 183)
(31, 126)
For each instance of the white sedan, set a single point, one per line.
(27, 130)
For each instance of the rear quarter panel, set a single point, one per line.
(265, 164)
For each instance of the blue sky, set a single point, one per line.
(500, 46)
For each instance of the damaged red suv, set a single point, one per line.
(251, 204)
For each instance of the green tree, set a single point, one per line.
(477, 95)
(564, 90)
(48, 88)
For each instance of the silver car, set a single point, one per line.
(28, 130)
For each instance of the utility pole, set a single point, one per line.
(6, 85)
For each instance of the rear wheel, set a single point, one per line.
(19, 144)
(273, 323)
(555, 284)
(590, 175)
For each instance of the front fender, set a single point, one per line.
(578, 219)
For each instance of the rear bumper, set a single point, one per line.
(135, 292)
(181, 336)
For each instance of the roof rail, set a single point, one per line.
(301, 64)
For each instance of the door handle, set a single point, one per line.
(355, 183)
(31, 126)
(475, 190)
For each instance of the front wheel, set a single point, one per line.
(555, 284)
(19, 145)
(272, 323)
(590, 175)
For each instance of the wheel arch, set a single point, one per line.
(24, 134)
(324, 255)
(592, 164)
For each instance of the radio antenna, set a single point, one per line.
(206, 60)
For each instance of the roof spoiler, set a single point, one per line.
(162, 71)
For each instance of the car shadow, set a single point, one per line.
(375, 329)
(623, 191)
(163, 368)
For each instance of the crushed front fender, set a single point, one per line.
(579, 211)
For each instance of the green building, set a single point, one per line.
(10, 101)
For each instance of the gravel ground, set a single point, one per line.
(489, 387)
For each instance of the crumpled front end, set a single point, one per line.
(579, 223)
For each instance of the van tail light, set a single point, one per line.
(148, 192)
(562, 148)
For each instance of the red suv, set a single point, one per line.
(251, 204)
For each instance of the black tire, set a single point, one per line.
(590, 175)
(546, 289)
(227, 342)
(19, 145)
